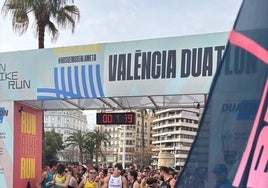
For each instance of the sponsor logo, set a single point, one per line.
(3, 112)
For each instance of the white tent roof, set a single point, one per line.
(121, 103)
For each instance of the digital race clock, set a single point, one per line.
(116, 118)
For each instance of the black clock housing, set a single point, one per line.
(127, 118)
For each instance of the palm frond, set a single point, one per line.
(66, 16)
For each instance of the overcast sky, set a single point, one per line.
(123, 20)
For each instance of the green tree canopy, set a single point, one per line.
(53, 144)
(46, 14)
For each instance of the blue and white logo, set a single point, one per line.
(74, 82)
(3, 112)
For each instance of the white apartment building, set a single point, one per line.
(174, 131)
(64, 123)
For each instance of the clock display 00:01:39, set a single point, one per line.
(116, 118)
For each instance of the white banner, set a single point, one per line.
(166, 66)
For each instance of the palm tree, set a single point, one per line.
(44, 11)
(90, 149)
(77, 139)
(98, 137)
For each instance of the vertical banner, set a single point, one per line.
(6, 144)
(28, 145)
(230, 149)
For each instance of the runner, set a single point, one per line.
(47, 175)
(115, 180)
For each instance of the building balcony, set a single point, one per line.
(173, 125)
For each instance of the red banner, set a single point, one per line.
(27, 145)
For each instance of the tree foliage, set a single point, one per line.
(53, 144)
(97, 138)
(78, 139)
(88, 143)
(90, 149)
(145, 160)
(46, 14)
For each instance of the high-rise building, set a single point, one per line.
(65, 122)
(174, 131)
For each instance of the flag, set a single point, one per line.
(231, 146)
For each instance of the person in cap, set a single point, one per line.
(116, 180)
(220, 171)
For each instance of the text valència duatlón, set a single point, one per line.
(195, 62)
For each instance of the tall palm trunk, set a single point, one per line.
(97, 153)
(41, 35)
(80, 155)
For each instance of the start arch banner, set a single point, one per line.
(165, 66)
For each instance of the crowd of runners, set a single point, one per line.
(59, 175)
